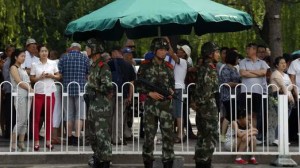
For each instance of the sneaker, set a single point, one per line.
(253, 161)
(223, 138)
(258, 142)
(240, 161)
(276, 142)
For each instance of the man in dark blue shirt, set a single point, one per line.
(122, 72)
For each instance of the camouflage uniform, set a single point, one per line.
(206, 112)
(160, 75)
(99, 86)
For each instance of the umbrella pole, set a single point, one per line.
(159, 32)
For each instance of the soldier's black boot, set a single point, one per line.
(104, 164)
(168, 164)
(148, 164)
(202, 164)
(91, 161)
(95, 163)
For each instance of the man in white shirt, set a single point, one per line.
(31, 51)
(180, 70)
(294, 72)
(253, 74)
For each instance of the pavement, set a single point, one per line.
(128, 166)
(124, 156)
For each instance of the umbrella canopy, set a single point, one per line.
(296, 52)
(147, 18)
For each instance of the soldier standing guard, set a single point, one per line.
(98, 89)
(205, 106)
(157, 107)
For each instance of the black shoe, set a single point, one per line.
(77, 141)
(104, 164)
(70, 140)
(202, 164)
(192, 136)
(96, 163)
(168, 164)
(148, 164)
(91, 161)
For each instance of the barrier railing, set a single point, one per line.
(186, 146)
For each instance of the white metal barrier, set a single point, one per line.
(133, 146)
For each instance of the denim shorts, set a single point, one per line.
(177, 105)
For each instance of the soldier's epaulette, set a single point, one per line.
(212, 66)
(100, 64)
(145, 62)
(169, 65)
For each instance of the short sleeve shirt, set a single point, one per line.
(294, 69)
(260, 83)
(180, 70)
(29, 60)
(46, 85)
(228, 74)
(74, 67)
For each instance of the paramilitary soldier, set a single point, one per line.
(98, 88)
(157, 107)
(206, 109)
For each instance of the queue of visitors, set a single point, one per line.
(37, 71)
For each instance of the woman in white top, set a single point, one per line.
(43, 74)
(280, 83)
(57, 112)
(21, 84)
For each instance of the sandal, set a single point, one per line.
(50, 147)
(55, 141)
(12, 148)
(36, 147)
(21, 146)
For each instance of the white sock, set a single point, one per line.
(238, 158)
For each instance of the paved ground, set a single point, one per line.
(65, 157)
(130, 166)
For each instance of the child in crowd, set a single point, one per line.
(240, 135)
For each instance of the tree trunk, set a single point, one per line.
(273, 14)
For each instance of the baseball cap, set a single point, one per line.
(75, 45)
(186, 49)
(126, 50)
(30, 41)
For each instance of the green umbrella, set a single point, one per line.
(147, 18)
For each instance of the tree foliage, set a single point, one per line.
(46, 20)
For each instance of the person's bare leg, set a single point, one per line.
(21, 141)
(225, 123)
(70, 127)
(179, 128)
(242, 145)
(78, 127)
(13, 141)
(252, 143)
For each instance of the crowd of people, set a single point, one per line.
(39, 70)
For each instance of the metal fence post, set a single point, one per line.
(284, 159)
